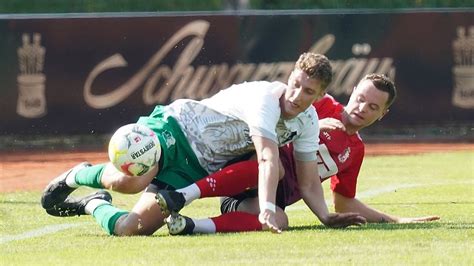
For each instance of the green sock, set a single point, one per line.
(107, 215)
(90, 176)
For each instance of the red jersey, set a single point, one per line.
(339, 157)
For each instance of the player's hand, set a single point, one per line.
(341, 220)
(417, 219)
(330, 124)
(268, 218)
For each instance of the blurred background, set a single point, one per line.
(73, 6)
(71, 72)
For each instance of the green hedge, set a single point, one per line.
(86, 6)
(80, 6)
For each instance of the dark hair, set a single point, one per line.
(316, 66)
(383, 83)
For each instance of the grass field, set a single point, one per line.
(416, 185)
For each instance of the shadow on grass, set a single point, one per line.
(389, 226)
(321, 228)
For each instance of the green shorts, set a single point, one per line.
(179, 166)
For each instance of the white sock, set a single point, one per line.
(190, 193)
(71, 181)
(204, 226)
(93, 204)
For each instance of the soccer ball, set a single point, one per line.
(134, 149)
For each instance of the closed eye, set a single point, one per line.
(374, 107)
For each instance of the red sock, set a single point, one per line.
(237, 222)
(230, 181)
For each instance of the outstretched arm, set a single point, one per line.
(343, 204)
(268, 173)
(312, 193)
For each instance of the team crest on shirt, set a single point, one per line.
(342, 157)
(169, 139)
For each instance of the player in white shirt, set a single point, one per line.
(200, 137)
(340, 156)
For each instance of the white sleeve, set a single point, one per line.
(306, 146)
(263, 111)
(257, 103)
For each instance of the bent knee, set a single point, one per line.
(130, 225)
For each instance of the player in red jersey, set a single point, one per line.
(340, 157)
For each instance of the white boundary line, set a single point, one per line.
(382, 190)
(49, 229)
(361, 195)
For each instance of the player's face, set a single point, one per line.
(366, 104)
(301, 92)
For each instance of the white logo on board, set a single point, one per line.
(31, 98)
(463, 70)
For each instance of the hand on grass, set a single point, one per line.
(268, 218)
(342, 220)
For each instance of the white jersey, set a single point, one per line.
(219, 129)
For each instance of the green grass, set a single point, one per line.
(418, 185)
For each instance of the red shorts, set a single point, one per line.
(288, 191)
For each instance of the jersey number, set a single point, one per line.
(326, 165)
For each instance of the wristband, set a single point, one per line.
(270, 206)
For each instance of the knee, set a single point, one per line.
(130, 226)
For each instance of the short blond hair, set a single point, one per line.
(316, 66)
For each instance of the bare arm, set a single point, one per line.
(343, 204)
(312, 193)
(310, 188)
(268, 176)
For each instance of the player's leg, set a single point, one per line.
(115, 180)
(229, 181)
(235, 221)
(58, 190)
(98, 176)
(72, 206)
(144, 219)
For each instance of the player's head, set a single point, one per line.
(306, 84)
(370, 100)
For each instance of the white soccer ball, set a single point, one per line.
(134, 149)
